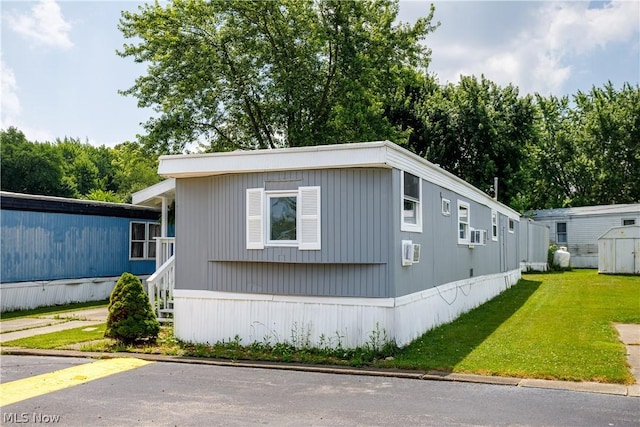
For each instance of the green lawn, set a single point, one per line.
(555, 326)
(52, 310)
(61, 338)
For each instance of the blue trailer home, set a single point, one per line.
(56, 250)
(329, 244)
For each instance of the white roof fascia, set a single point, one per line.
(147, 196)
(404, 160)
(367, 154)
(370, 154)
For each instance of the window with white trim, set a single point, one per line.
(561, 233)
(446, 207)
(283, 218)
(142, 244)
(411, 187)
(628, 222)
(512, 225)
(494, 225)
(463, 222)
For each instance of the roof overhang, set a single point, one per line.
(379, 154)
(152, 196)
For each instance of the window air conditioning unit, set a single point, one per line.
(410, 253)
(478, 237)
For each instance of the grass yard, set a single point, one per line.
(52, 310)
(553, 326)
(60, 339)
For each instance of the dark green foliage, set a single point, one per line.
(69, 168)
(131, 318)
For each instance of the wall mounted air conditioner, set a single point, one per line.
(410, 253)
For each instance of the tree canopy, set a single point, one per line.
(70, 168)
(258, 74)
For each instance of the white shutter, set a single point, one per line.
(255, 208)
(309, 218)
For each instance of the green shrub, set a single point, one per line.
(131, 318)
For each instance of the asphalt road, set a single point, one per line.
(175, 394)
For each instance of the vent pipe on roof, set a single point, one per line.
(495, 188)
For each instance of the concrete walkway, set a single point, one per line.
(20, 328)
(31, 326)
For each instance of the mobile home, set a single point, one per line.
(578, 228)
(57, 250)
(330, 244)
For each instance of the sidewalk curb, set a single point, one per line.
(585, 387)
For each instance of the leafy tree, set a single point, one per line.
(27, 167)
(256, 74)
(588, 152)
(474, 129)
(134, 169)
(131, 318)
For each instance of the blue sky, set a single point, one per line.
(60, 73)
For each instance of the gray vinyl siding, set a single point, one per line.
(355, 235)
(194, 222)
(361, 237)
(442, 259)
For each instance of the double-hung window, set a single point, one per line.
(561, 233)
(494, 225)
(283, 218)
(411, 186)
(142, 244)
(463, 222)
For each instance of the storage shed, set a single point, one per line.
(579, 228)
(619, 250)
(328, 245)
(57, 250)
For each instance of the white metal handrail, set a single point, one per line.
(165, 248)
(160, 286)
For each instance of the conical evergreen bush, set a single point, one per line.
(131, 318)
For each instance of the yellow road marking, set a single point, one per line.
(26, 388)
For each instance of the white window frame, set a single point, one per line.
(467, 238)
(147, 241)
(446, 207)
(407, 226)
(512, 225)
(494, 225)
(277, 194)
(258, 218)
(565, 233)
(630, 221)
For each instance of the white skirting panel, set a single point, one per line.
(27, 295)
(210, 317)
(419, 312)
(533, 266)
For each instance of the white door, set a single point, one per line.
(626, 256)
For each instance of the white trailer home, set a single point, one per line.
(578, 229)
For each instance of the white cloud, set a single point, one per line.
(10, 103)
(539, 45)
(573, 28)
(11, 109)
(44, 25)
